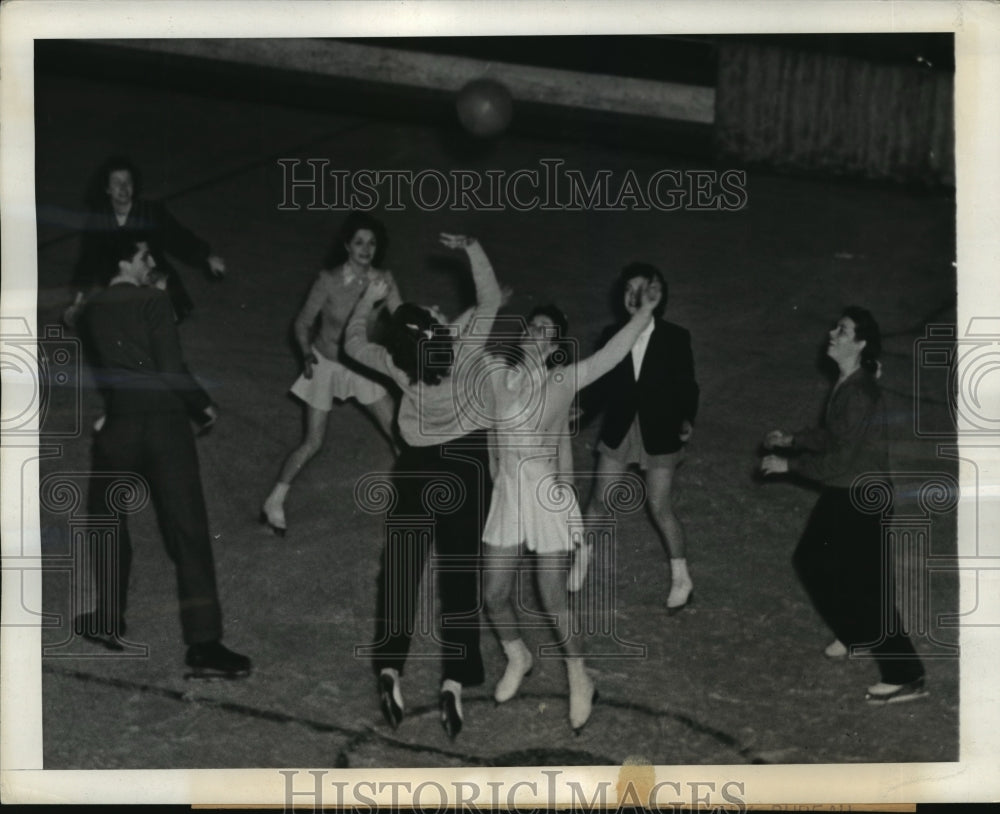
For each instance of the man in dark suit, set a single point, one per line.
(150, 400)
(651, 399)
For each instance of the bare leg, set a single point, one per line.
(555, 599)
(499, 581)
(384, 413)
(659, 485)
(605, 473)
(498, 587)
(316, 421)
(274, 506)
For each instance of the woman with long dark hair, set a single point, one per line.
(442, 478)
(351, 265)
(841, 558)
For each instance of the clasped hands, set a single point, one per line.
(776, 464)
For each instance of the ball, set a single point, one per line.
(484, 107)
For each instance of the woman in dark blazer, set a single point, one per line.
(650, 402)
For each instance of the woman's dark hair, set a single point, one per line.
(649, 273)
(348, 229)
(97, 193)
(419, 346)
(866, 330)
(560, 356)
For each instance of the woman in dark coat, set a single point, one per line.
(840, 558)
(118, 211)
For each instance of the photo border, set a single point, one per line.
(976, 26)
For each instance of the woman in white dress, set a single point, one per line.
(534, 507)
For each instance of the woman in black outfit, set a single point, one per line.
(442, 477)
(118, 211)
(840, 556)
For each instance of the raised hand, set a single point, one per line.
(776, 439)
(71, 314)
(207, 419)
(455, 241)
(307, 364)
(773, 465)
(652, 293)
(216, 266)
(378, 289)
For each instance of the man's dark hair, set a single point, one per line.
(126, 246)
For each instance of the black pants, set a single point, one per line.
(444, 492)
(160, 447)
(841, 564)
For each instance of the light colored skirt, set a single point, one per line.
(333, 380)
(632, 451)
(529, 506)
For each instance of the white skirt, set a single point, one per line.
(530, 506)
(333, 380)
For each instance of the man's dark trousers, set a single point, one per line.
(160, 447)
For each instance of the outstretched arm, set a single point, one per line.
(463, 319)
(593, 367)
(167, 356)
(561, 388)
(180, 241)
(489, 297)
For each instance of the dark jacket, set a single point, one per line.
(853, 439)
(664, 397)
(133, 342)
(147, 220)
